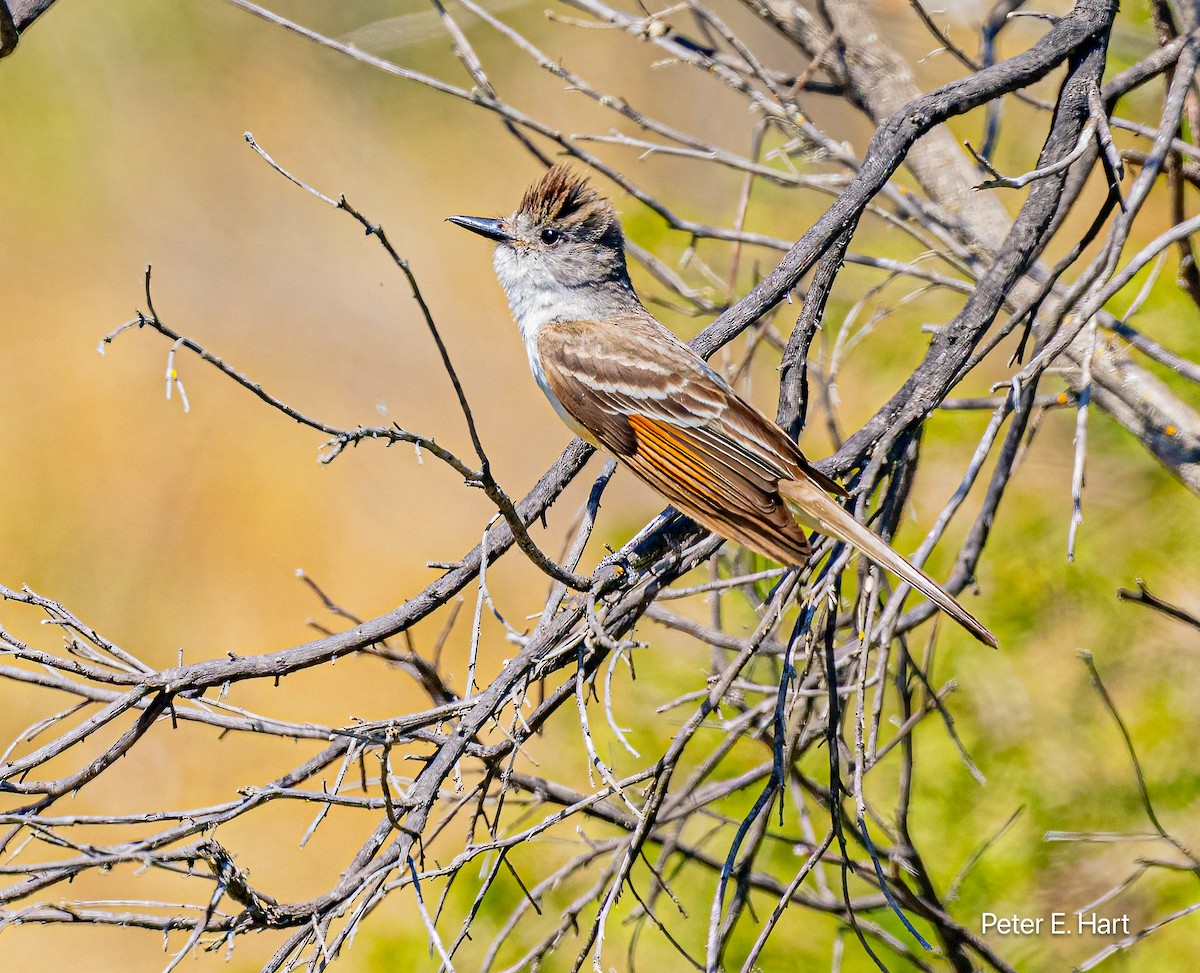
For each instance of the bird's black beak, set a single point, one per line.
(492, 229)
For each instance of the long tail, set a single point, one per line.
(814, 508)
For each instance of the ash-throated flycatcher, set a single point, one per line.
(620, 380)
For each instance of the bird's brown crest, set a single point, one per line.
(565, 197)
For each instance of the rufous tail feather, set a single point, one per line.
(814, 508)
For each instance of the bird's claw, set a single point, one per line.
(612, 574)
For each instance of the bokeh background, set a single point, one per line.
(179, 534)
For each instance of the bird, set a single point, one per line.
(623, 382)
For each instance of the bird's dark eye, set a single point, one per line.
(551, 236)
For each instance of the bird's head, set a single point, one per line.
(564, 239)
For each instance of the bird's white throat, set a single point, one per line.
(537, 297)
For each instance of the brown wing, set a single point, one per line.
(655, 404)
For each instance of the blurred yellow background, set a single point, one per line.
(178, 534)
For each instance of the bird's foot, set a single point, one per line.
(614, 573)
